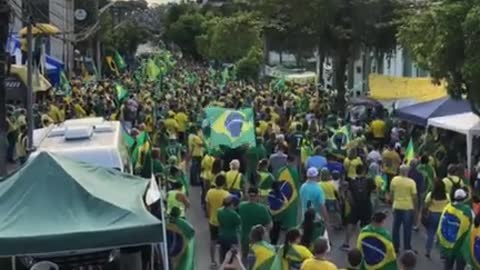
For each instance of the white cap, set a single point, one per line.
(312, 172)
(460, 194)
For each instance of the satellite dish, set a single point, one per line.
(80, 14)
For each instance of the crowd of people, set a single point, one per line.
(353, 174)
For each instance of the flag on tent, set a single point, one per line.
(284, 206)
(120, 93)
(65, 87)
(470, 250)
(119, 62)
(152, 70)
(142, 155)
(265, 255)
(231, 128)
(112, 65)
(377, 249)
(409, 152)
(181, 244)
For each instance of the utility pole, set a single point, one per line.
(4, 22)
(29, 80)
(98, 53)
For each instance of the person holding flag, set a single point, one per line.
(376, 246)
(292, 254)
(455, 223)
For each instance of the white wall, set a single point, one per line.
(57, 18)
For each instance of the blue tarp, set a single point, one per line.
(421, 112)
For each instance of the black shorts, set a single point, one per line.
(364, 216)
(213, 232)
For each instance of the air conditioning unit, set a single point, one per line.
(78, 132)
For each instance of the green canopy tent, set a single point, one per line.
(54, 204)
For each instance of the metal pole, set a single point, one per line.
(29, 84)
(4, 20)
(98, 48)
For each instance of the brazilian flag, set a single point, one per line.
(377, 249)
(284, 206)
(119, 62)
(339, 141)
(292, 259)
(181, 244)
(453, 228)
(231, 128)
(142, 155)
(471, 247)
(64, 85)
(264, 254)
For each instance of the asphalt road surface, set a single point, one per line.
(197, 218)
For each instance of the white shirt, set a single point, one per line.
(374, 156)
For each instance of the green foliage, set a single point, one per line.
(444, 39)
(228, 39)
(185, 30)
(125, 38)
(248, 68)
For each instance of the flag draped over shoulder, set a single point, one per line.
(181, 244)
(453, 228)
(409, 152)
(142, 155)
(264, 256)
(284, 206)
(293, 258)
(470, 248)
(231, 128)
(377, 249)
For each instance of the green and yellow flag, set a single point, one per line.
(231, 128)
(181, 244)
(119, 62)
(142, 155)
(64, 84)
(409, 152)
(292, 258)
(264, 255)
(120, 93)
(284, 206)
(377, 249)
(470, 249)
(453, 228)
(152, 70)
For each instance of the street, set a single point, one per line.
(196, 216)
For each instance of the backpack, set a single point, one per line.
(359, 188)
(455, 186)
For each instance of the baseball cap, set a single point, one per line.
(312, 172)
(460, 195)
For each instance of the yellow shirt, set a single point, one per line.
(197, 146)
(262, 126)
(54, 113)
(351, 166)
(404, 190)
(182, 120)
(207, 164)
(233, 179)
(436, 206)
(314, 264)
(377, 127)
(329, 189)
(214, 200)
(448, 183)
(171, 125)
(79, 111)
(275, 117)
(391, 161)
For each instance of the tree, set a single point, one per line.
(444, 38)
(248, 68)
(185, 30)
(228, 39)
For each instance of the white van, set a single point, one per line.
(91, 140)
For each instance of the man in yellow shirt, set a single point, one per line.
(197, 149)
(171, 124)
(214, 201)
(182, 119)
(351, 163)
(377, 128)
(319, 261)
(452, 180)
(391, 162)
(403, 192)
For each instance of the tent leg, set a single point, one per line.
(14, 265)
(152, 257)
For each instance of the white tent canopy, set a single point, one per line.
(464, 123)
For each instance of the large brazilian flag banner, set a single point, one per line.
(231, 128)
(377, 249)
(181, 244)
(284, 206)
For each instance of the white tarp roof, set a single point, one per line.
(465, 123)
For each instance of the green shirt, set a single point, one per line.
(229, 223)
(253, 214)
